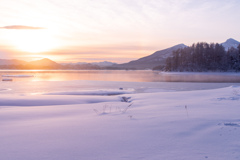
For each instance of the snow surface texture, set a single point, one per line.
(94, 92)
(183, 125)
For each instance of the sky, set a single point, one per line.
(110, 30)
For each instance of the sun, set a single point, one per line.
(34, 41)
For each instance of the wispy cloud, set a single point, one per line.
(20, 27)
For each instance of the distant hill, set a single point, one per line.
(48, 64)
(19, 64)
(100, 64)
(12, 62)
(157, 59)
(43, 62)
(230, 43)
(153, 60)
(104, 63)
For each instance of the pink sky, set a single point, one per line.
(117, 30)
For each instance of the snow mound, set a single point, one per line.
(234, 94)
(46, 100)
(94, 92)
(185, 125)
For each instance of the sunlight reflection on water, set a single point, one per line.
(94, 80)
(118, 75)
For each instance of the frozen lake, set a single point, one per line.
(42, 81)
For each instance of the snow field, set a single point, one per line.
(182, 125)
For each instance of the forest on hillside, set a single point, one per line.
(203, 57)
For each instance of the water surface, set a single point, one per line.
(118, 75)
(48, 81)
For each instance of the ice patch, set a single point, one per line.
(234, 86)
(17, 75)
(228, 98)
(233, 124)
(6, 79)
(4, 89)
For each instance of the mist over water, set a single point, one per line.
(202, 77)
(141, 81)
(119, 75)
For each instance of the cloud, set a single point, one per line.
(20, 27)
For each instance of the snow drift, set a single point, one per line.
(181, 125)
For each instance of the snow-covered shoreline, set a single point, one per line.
(230, 73)
(182, 125)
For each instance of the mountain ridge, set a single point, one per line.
(230, 43)
(157, 58)
(150, 61)
(43, 62)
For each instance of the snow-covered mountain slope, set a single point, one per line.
(103, 64)
(230, 43)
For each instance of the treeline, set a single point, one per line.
(204, 57)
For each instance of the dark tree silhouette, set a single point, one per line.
(204, 57)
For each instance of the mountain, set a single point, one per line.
(43, 62)
(12, 62)
(19, 64)
(104, 64)
(158, 58)
(77, 63)
(230, 43)
(151, 61)
(100, 64)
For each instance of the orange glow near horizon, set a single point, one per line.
(117, 31)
